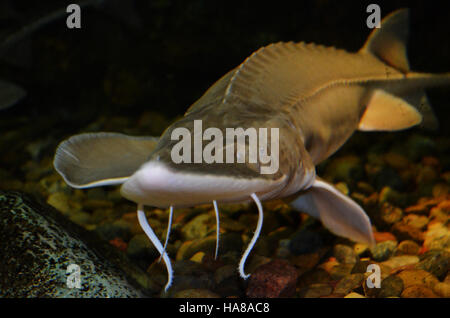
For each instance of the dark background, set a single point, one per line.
(161, 55)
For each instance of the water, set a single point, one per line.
(136, 69)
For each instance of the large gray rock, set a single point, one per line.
(37, 245)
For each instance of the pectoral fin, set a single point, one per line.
(340, 214)
(95, 159)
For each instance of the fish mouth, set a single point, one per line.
(156, 184)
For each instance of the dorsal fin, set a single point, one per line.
(388, 43)
(213, 94)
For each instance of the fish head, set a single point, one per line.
(197, 161)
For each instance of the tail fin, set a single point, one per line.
(389, 44)
(418, 98)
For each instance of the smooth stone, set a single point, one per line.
(280, 234)
(371, 200)
(384, 273)
(230, 257)
(360, 198)
(416, 221)
(442, 289)
(316, 291)
(305, 262)
(111, 230)
(412, 277)
(119, 244)
(365, 187)
(436, 262)
(437, 214)
(190, 275)
(97, 193)
(195, 293)
(419, 208)
(158, 272)
(140, 247)
(390, 214)
(388, 194)
(391, 286)
(349, 283)
(354, 295)
(197, 257)
(315, 276)
(264, 246)
(447, 278)
(93, 204)
(384, 236)
(39, 258)
(81, 218)
(430, 161)
(114, 195)
(340, 271)
(225, 272)
(407, 247)
(231, 225)
(402, 260)
(342, 187)
(101, 216)
(360, 248)
(283, 250)
(60, 201)
(361, 266)
(444, 206)
(227, 242)
(383, 250)
(198, 227)
(227, 281)
(384, 269)
(277, 278)
(256, 261)
(418, 291)
(344, 254)
(437, 236)
(329, 264)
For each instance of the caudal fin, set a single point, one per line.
(389, 44)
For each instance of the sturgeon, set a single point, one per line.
(316, 96)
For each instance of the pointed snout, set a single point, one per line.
(155, 184)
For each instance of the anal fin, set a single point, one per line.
(387, 112)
